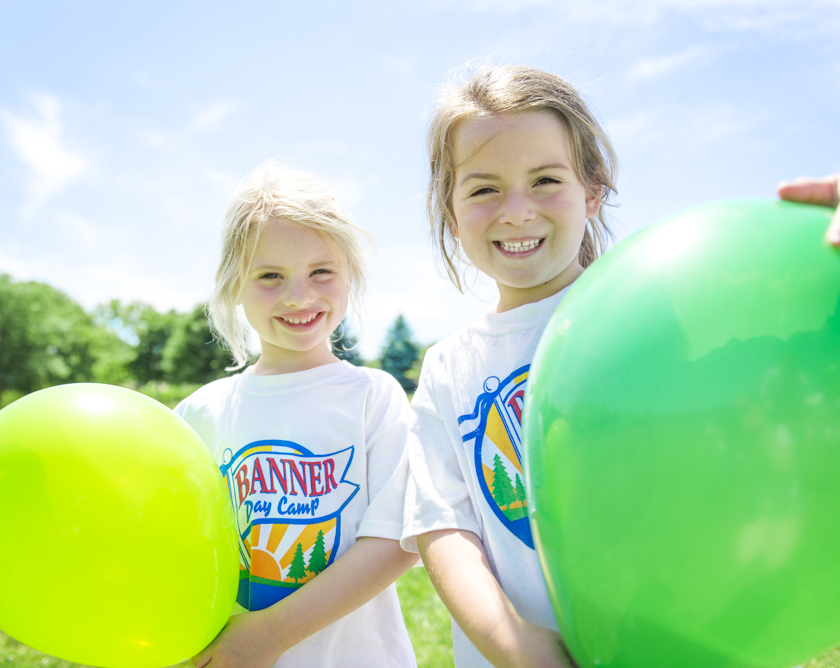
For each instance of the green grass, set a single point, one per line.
(425, 617)
(830, 660)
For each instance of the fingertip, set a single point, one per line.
(832, 234)
(784, 189)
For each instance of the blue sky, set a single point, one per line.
(125, 128)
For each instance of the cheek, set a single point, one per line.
(472, 222)
(339, 296)
(258, 298)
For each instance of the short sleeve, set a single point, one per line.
(388, 415)
(437, 494)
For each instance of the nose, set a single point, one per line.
(517, 208)
(297, 293)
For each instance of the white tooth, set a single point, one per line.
(299, 321)
(517, 246)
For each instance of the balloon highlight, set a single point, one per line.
(118, 540)
(682, 434)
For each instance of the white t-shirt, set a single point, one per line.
(465, 454)
(313, 460)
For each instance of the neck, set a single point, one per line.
(274, 360)
(513, 297)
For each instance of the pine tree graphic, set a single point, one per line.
(503, 492)
(318, 557)
(297, 570)
(520, 491)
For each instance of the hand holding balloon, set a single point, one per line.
(682, 444)
(825, 192)
(119, 547)
(248, 639)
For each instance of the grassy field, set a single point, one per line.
(425, 617)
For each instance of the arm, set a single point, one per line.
(460, 572)
(825, 191)
(257, 639)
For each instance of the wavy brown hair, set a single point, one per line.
(272, 192)
(514, 90)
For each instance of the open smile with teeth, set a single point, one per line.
(519, 246)
(299, 321)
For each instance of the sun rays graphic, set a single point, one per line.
(273, 547)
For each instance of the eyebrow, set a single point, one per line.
(492, 177)
(312, 265)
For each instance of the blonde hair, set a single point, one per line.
(272, 192)
(514, 90)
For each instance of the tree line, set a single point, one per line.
(48, 339)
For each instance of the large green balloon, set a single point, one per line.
(118, 540)
(683, 444)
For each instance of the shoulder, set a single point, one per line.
(452, 347)
(208, 397)
(376, 381)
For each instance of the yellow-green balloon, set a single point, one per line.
(683, 444)
(118, 539)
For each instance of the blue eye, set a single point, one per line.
(545, 180)
(486, 190)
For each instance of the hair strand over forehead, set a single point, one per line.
(272, 192)
(488, 91)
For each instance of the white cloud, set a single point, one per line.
(80, 232)
(739, 15)
(324, 148)
(649, 68)
(488, 6)
(18, 268)
(158, 139)
(628, 129)
(214, 117)
(225, 180)
(722, 120)
(40, 144)
(685, 125)
(348, 189)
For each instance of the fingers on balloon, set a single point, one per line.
(825, 191)
(667, 454)
(832, 235)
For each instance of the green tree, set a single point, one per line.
(399, 353)
(520, 490)
(345, 345)
(146, 330)
(413, 374)
(503, 491)
(191, 354)
(48, 339)
(318, 558)
(17, 346)
(297, 569)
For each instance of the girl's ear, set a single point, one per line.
(593, 205)
(453, 228)
(593, 195)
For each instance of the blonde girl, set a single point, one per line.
(520, 171)
(311, 447)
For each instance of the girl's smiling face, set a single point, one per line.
(294, 295)
(520, 208)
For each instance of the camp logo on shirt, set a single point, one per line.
(498, 449)
(288, 504)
